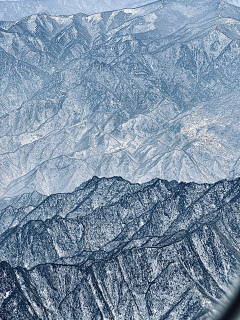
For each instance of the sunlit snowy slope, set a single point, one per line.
(139, 93)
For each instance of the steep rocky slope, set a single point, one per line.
(116, 250)
(139, 93)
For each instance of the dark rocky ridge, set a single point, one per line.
(116, 250)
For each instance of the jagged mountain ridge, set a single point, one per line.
(158, 250)
(115, 93)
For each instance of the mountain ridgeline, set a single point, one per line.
(137, 93)
(17, 9)
(116, 250)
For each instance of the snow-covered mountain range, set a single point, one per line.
(143, 98)
(15, 10)
(116, 250)
(12, 10)
(139, 93)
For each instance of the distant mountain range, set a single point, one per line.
(17, 9)
(138, 93)
(116, 250)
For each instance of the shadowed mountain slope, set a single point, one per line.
(116, 250)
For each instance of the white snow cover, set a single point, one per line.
(140, 93)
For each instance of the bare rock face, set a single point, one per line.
(138, 93)
(116, 250)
